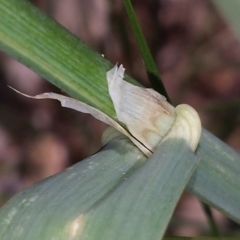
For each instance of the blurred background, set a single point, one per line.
(196, 53)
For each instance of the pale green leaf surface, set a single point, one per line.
(45, 209)
(216, 180)
(141, 207)
(80, 186)
(112, 188)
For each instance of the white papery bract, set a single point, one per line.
(148, 117)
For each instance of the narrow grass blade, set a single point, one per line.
(211, 221)
(151, 68)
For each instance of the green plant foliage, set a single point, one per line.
(216, 179)
(97, 198)
(117, 182)
(57, 55)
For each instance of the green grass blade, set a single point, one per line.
(151, 67)
(211, 221)
(50, 50)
